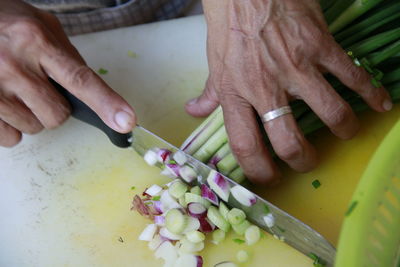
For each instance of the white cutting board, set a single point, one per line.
(65, 194)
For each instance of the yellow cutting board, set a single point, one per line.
(65, 195)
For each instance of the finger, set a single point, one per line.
(19, 116)
(86, 85)
(205, 104)
(247, 143)
(328, 105)
(50, 108)
(285, 136)
(9, 136)
(356, 78)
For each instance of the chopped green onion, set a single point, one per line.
(195, 236)
(317, 260)
(252, 235)
(175, 221)
(189, 197)
(236, 216)
(223, 209)
(218, 236)
(102, 71)
(281, 229)
(239, 241)
(241, 228)
(156, 198)
(133, 187)
(242, 256)
(132, 54)
(217, 219)
(316, 183)
(266, 209)
(195, 190)
(178, 189)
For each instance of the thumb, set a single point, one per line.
(204, 104)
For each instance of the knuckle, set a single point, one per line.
(59, 117)
(290, 150)
(28, 26)
(10, 137)
(243, 146)
(81, 76)
(357, 76)
(34, 128)
(31, 31)
(338, 115)
(8, 63)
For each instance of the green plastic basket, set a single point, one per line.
(370, 235)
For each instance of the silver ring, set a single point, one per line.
(276, 113)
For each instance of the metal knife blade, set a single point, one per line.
(290, 230)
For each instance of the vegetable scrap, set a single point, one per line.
(182, 214)
(102, 71)
(316, 183)
(132, 54)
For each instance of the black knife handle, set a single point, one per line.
(83, 113)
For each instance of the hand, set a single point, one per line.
(261, 55)
(33, 47)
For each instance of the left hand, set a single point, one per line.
(264, 53)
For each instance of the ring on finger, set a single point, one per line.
(275, 113)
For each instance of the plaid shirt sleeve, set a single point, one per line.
(130, 13)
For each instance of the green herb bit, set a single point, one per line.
(133, 187)
(172, 162)
(376, 83)
(132, 54)
(316, 183)
(350, 54)
(102, 71)
(266, 209)
(238, 241)
(281, 229)
(317, 261)
(156, 198)
(351, 208)
(378, 74)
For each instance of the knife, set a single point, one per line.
(287, 228)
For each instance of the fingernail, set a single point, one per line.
(192, 102)
(123, 120)
(387, 105)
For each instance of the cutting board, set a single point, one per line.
(65, 194)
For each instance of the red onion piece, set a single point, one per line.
(187, 173)
(243, 196)
(153, 190)
(219, 185)
(199, 261)
(206, 226)
(196, 210)
(173, 168)
(158, 206)
(163, 155)
(159, 220)
(208, 194)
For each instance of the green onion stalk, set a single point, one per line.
(369, 30)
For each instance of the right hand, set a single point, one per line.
(33, 47)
